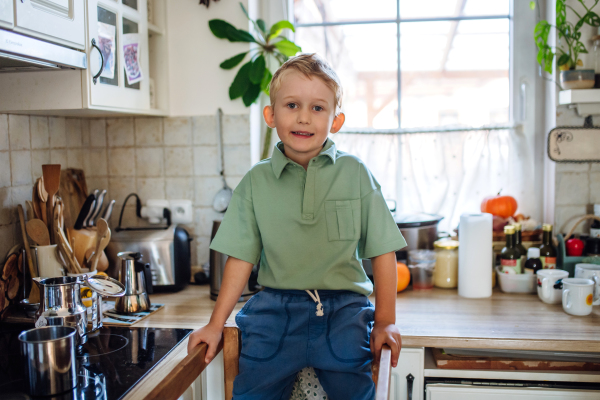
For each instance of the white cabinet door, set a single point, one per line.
(408, 375)
(441, 391)
(58, 21)
(6, 13)
(123, 17)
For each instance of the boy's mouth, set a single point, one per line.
(302, 133)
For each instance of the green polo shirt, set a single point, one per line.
(309, 228)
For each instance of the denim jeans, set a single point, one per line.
(281, 335)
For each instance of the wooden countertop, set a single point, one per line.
(434, 318)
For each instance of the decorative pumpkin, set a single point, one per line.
(501, 206)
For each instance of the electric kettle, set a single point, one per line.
(137, 279)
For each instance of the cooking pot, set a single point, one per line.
(419, 230)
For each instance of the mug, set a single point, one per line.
(46, 259)
(590, 271)
(578, 296)
(547, 289)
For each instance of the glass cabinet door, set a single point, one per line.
(120, 31)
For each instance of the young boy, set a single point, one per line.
(310, 213)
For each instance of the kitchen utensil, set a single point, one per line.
(29, 211)
(34, 295)
(548, 285)
(67, 252)
(86, 222)
(73, 191)
(590, 271)
(421, 264)
(102, 260)
(51, 175)
(137, 279)
(48, 264)
(38, 232)
(85, 210)
(99, 203)
(223, 196)
(102, 239)
(42, 197)
(35, 202)
(50, 366)
(578, 296)
(108, 211)
(59, 210)
(475, 256)
(28, 308)
(516, 283)
(217, 269)
(61, 303)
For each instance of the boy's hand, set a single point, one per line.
(209, 334)
(385, 333)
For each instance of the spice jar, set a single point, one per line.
(446, 264)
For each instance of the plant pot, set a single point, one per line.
(577, 79)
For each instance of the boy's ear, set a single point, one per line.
(338, 122)
(269, 116)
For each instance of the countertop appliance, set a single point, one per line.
(137, 279)
(109, 365)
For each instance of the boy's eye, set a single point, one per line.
(292, 105)
(318, 108)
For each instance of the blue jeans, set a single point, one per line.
(281, 335)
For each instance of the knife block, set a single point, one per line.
(81, 240)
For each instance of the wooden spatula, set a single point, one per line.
(51, 173)
(102, 239)
(34, 294)
(38, 232)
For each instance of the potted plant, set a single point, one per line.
(569, 45)
(255, 75)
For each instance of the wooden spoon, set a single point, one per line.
(51, 174)
(102, 239)
(34, 294)
(38, 232)
(29, 212)
(35, 200)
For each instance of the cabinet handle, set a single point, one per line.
(101, 58)
(409, 386)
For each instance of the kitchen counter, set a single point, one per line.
(435, 318)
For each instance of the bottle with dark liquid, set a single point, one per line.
(519, 245)
(595, 228)
(547, 249)
(533, 263)
(511, 256)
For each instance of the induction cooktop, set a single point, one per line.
(109, 365)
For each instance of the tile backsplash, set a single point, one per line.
(155, 157)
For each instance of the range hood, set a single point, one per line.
(20, 53)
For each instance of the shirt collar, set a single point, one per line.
(279, 160)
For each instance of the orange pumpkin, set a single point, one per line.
(501, 206)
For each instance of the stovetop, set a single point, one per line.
(113, 360)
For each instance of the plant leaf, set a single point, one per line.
(562, 60)
(532, 5)
(233, 61)
(239, 35)
(266, 82)
(257, 71)
(244, 10)
(251, 95)
(561, 12)
(591, 18)
(241, 82)
(219, 28)
(287, 48)
(261, 25)
(548, 57)
(280, 26)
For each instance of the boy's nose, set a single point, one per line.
(304, 116)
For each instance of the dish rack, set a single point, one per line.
(563, 261)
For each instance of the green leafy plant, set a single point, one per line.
(255, 75)
(569, 36)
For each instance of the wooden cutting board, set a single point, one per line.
(73, 191)
(446, 361)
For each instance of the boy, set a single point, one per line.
(310, 213)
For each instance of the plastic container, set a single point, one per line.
(421, 264)
(517, 283)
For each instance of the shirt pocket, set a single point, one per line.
(343, 219)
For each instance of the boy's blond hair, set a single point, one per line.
(310, 65)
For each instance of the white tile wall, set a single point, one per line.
(163, 158)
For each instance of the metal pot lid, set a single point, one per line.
(417, 220)
(105, 286)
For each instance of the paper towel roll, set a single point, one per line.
(475, 255)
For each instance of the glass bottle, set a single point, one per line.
(547, 249)
(595, 228)
(533, 263)
(446, 263)
(510, 256)
(519, 245)
(596, 60)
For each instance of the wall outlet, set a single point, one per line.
(181, 211)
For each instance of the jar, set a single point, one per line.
(446, 264)
(421, 264)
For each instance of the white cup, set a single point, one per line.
(590, 271)
(47, 261)
(546, 281)
(578, 296)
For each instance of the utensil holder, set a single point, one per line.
(46, 261)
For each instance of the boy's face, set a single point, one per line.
(303, 114)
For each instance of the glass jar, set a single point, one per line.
(446, 264)
(421, 264)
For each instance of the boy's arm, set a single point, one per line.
(385, 329)
(235, 279)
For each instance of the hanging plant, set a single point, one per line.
(255, 75)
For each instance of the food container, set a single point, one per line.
(446, 264)
(517, 283)
(421, 264)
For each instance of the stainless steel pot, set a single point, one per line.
(419, 230)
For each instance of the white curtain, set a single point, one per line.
(446, 173)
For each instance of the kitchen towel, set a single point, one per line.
(475, 255)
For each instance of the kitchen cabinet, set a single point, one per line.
(6, 14)
(85, 92)
(407, 377)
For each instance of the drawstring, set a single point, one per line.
(317, 300)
